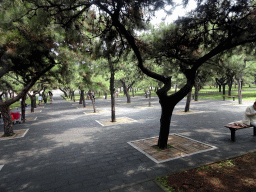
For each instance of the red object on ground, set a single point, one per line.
(16, 115)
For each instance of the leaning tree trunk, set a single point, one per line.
(126, 90)
(188, 101)
(167, 104)
(165, 122)
(6, 113)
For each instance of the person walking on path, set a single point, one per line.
(250, 115)
(93, 96)
(40, 99)
(51, 95)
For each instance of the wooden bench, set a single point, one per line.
(233, 127)
(224, 96)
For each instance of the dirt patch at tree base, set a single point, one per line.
(185, 113)
(17, 134)
(236, 175)
(92, 112)
(119, 120)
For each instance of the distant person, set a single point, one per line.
(250, 115)
(40, 98)
(93, 96)
(51, 97)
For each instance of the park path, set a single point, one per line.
(66, 149)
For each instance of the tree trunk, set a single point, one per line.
(32, 100)
(132, 92)
(128, 97)
(44, 97)
(239, 83)
(196, 90)
(188, 101)
(93, 104)
(73, 94)
(165, 122)
(106, 95)
(229, 89)
(149, 99)
(220, 88)
(224, 90)
(112, 93)
(23, 110)
(7, 118)
(126, 92)
(83, 101)
(81, 97)
(65, 93)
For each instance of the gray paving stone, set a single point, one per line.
(110, 184)
(57, 155)
(71, 187)
(148, 184)
(54, 185)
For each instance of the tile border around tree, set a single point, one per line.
(169, 159)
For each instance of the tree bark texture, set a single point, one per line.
(23, 109)
(6, 114)
(73, 94)
(126, 92)
(239, 83)
(83, 100)
(80, 100)
(149, 99)
(196, 89)
(188, 101)
(112, 91)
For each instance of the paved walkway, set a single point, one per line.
(66, 149)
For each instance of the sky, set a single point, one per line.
(179, 11)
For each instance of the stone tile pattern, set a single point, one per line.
(181, 146)
(18, 134)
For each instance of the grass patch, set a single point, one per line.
(163, 181)
(17, 103)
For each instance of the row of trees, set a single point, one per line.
(61, 39)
